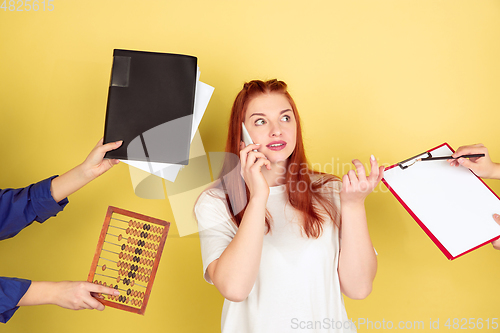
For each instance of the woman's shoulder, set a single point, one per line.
(211, 195)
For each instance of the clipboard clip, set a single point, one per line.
(412, 160)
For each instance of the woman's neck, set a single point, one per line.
(275, 176)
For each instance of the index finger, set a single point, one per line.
(471, 149)
(360, 169)
(97, 288)
(252, 146)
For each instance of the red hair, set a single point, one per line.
(310, 202)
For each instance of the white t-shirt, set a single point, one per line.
(297, 288)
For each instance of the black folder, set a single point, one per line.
(150, 106)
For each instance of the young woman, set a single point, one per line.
(271, 243)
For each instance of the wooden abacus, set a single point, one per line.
(127, 257)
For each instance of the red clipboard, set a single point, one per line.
(409, 163)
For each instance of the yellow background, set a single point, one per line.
(390, 78)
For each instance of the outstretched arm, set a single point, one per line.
(357, 261)
(93, 166)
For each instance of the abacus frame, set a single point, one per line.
(104, 230)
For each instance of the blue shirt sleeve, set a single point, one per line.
(11, 291)
(18, 209)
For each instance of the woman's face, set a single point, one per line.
(270, 122)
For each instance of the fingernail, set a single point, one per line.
(258, 144)
(372, 158)
(495, 216)
(116, 293)
(119, 142)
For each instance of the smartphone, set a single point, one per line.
(246, 137)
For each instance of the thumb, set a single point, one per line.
(496, 217)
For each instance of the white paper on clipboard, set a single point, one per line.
(453, 203)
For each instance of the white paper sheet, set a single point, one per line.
(452, 202)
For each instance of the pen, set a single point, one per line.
(449, 157)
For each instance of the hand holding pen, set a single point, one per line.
(481, 166)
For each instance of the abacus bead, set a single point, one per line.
(129, 292)
(123, 246)
(120, 237)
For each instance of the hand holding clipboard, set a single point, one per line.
(483, 167)
(452, 205)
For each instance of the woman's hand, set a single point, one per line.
(481, 166)
(73, 295)
(356, 188)
(95, 164)
(81, 295)
(251, 164)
